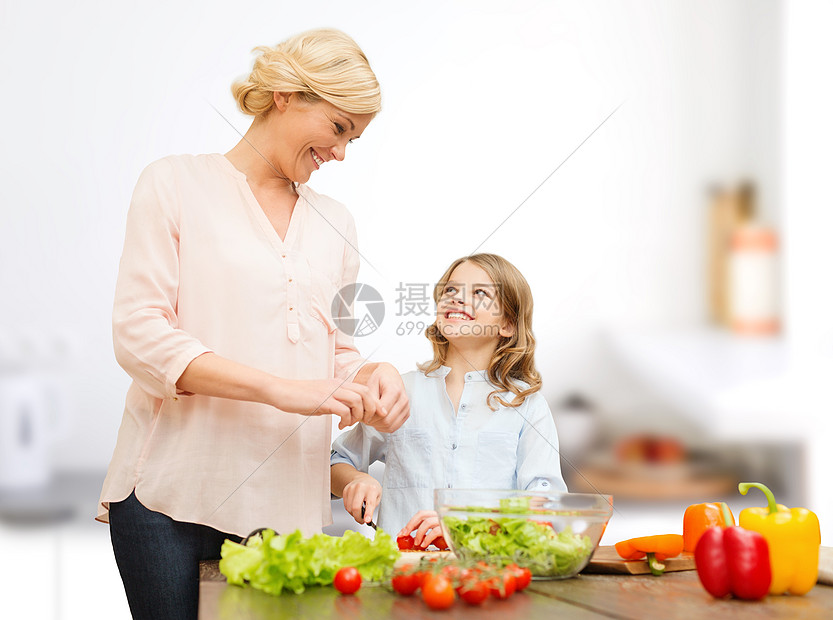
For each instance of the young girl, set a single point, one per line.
(478, 419)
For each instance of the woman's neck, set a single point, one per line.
(252, 158)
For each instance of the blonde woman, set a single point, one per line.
(478, 418)
(222, 320)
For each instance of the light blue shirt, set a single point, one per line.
(474, 447)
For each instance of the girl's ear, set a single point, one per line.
(507, 330)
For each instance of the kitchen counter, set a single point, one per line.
(673, 595)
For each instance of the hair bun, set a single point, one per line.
(320, 64)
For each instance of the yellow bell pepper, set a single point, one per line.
(794, 538)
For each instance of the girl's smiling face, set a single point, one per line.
(311, 134)
(469, 308)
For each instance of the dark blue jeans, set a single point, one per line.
(158, 559)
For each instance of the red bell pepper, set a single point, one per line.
(733, 561)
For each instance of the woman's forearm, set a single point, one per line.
(212, 375)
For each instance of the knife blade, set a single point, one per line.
(371, 524)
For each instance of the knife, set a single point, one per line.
(371, 524)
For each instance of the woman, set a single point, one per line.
(221, 318)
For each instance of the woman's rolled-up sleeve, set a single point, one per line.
(147, 341)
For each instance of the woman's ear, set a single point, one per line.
(507, 330)
(281, 100)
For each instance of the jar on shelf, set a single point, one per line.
(753, 281)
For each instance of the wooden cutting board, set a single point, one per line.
(606, 560)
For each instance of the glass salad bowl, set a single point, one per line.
(552, 534)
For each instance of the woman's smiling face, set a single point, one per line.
(468, 306)
(311, 134)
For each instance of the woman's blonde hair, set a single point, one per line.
(323, 64)
(514, 358)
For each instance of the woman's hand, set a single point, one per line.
(385, 383)
(349, 401)
(363, 490)
(427, 526)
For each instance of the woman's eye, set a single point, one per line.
(481, 292)
(339, 128)
(450, 290)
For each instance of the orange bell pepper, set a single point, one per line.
(700, 517)
(656, 548)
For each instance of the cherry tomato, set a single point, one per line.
(437, 592)
(405, 583)
(502, 586)
(474, 591)
(421, 576)
(347, 580)
(405, 543)
(523, 576)
(451, 572)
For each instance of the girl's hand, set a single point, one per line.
(362, 490)
(349, 401)
(385, 383)
(427, 526)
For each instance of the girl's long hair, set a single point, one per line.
(514, 358)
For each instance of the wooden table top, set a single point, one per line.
(673, 595)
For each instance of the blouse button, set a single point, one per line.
(291, 308)
(463, 406)
(454, 446)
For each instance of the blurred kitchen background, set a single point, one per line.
(680, 257)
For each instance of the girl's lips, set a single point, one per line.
(459, 315)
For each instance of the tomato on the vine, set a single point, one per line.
(405, 583)
(502, 586)
(437, 592)
(347, 580)
(405, 543)
(452, 572)
(523, 576)
(473, 590)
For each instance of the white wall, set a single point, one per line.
(482, 100)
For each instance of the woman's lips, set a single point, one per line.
(316, 159)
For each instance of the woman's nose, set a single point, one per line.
(339, 151)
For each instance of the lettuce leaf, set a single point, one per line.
(274, 563)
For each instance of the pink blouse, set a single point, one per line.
(204, 270)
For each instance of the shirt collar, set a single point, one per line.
(471, 377)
